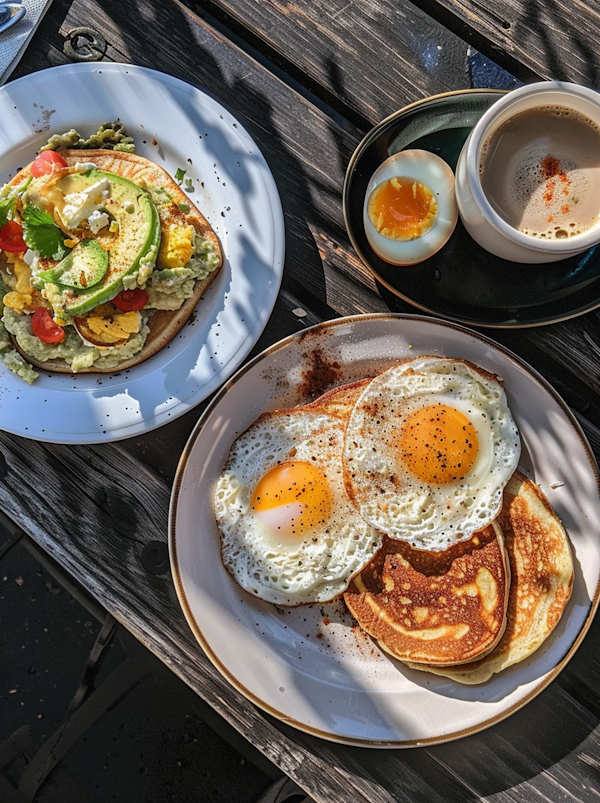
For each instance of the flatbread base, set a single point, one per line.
(163, 324)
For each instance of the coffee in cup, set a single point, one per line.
(540, 171)
(528, 177)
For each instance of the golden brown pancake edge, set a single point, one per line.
(542, 579)
(442, 608)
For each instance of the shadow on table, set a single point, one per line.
(512, 752)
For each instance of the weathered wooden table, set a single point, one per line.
(308, 80)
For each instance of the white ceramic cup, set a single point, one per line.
(479, 217)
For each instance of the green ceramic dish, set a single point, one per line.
(463, 282)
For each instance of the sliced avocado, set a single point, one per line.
(82, 268)
(137, 241)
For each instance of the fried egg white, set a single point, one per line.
(289, 533)
(429, 447)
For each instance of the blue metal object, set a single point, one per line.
(9, 14)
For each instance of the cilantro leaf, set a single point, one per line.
(179, 174)
(41, 233)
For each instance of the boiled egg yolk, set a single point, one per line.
(402, 208)
(409, 207)
(292, 500)
(438, 444)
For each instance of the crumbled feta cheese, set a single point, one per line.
(80, 205)
(30, 256)
(97, 220)
(86, 166)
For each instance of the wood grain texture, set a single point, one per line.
(307, 148)
(100, 524)
(366, 56)
(108, 501)
(289, 129)
(545, 38)
(350, 33)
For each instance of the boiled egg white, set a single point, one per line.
(410, 207)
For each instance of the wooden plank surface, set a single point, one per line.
(544, 38)
(365, 57)
(101, 521)
(98, 537)
(311, 35)
(84, 488)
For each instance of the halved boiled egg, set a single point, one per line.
(410, 207)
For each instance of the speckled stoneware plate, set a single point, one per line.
(177, 126)
(308, 666)
(463, 282)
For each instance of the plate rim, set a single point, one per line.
(184, 460)
(422, 307)
(239, 350)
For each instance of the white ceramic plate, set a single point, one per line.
(307, 666)
(177, 126)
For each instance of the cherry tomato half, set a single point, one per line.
(129, 300)
(11, 238)
(47, 162)
(43, 326)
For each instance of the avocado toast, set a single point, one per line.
(111, 261)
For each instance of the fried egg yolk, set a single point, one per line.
(292, 500)
(429, 447)
(438, 444)
(289, 533)
(402, 208)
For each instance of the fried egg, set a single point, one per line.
(289, 533)
(410, 207)
(429, 447)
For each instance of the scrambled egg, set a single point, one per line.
(107, 326)
(23, 296)
(177, 246)
(21, 272)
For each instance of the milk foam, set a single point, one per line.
(540, 170)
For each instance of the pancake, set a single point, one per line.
(163, 324)
(542, 578)
(441, 608)
(339, 401)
